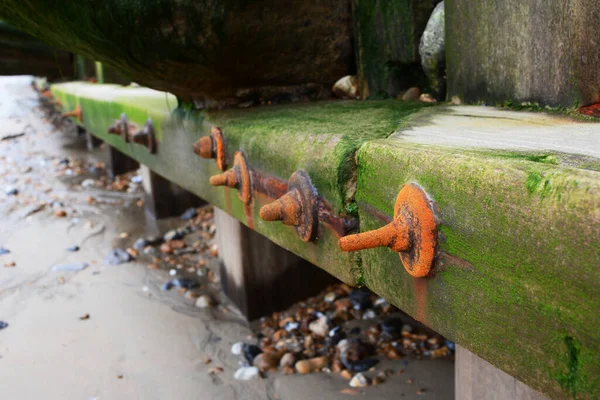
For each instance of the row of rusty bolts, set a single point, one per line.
(412, 233)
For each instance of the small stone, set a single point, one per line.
(61, 280)
(174, 234)
(3, 325)
(237, 348)
(11, 191)
(287, 360)
(205, 301)
(4, 250)
(359, 380)
(369, 314)
(145, 289)
(88, 183)
(140, 244)
(60, 213)
(11, 264)
(123, 235)
(117, 256)
(427, 98)
(73, 249)
(251, 351)
(392, 327)
(266, 361)
(188, 214)
(421, 391)
(166, 248)
(180, 283)
(361, 298)
(320, 326)
(412, 94)
(311, 365)
(346, 87)
(172, 272)
(346, 374)
(84, 317)
(246, 373)
(132, 252)
(330, 297)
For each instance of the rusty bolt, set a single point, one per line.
(212, 146)
(412, 233)
(121, 127)
(237, 177)
(299, 207)
(146, 136)
(75, 113)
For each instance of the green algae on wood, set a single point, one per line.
(518, 269)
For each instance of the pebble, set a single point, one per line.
(174, 234)
(251, 351)
(359, 380)
(369, 314)
(412, 94)
(73, 248)
(204, 301)
(330, 297)
(4, 250)
(320, 326)
(291, 326)
(117, 256)
(70, 267)
(347, 375)
(140, 244)
(188, 214)
(11, 191)
(246, 373)
(237, 348)
(361, 298)
(312, 365)
(393, 327)
(3, 325)
(88, 183)
(266, 361)
(172, 272)
(287, 360)
(346, 87)
(182, 283)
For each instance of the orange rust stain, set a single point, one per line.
(75, 113)
(204, 147)
(591, 110)
(249, 218)
(286, 209)
(420, 290)
(245, 186)
(227, 201)
(219, 148)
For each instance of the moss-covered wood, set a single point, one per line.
(517, 280)
(201, 49)
(539, 51)
(386, 36)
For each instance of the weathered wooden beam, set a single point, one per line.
(515, 281)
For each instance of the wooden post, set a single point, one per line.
(116, 162)
(163, 198)
(259, 276)
(477, 379)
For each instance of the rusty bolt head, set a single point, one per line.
(413, 233)
(212, 146)
(299, 207)
(237, 177)
(146, 136)
(75, 113)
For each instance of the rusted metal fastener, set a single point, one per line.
(121, 127)
(146, 137)
(75, 113)
(412, 233)
(237, 177)
(299, 207)
(212, 146)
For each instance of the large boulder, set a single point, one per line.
(433, 52)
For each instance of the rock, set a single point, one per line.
(433, 53)
(174, 234)
(117, 256)
(237, 348)
(182, 283)
(312, 365)
(369, 314)
(11, 191)
(354, 353)
(266, 361)
(140, 244)
(320, 326)
(347, 375)
(287, 360)
(70, 267)
(361, 298)
(73, 248)
(88, 183)
(188, 214)
(330, 297)
(392, 327)
(346, 87)
(3, 325)
(427, 98)
(246, 373)
(335, 335)
(172, 272)
(412, 94)
(251, 351)
(205, 301)
(291, 326)
(359, 380)
(60, 213)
